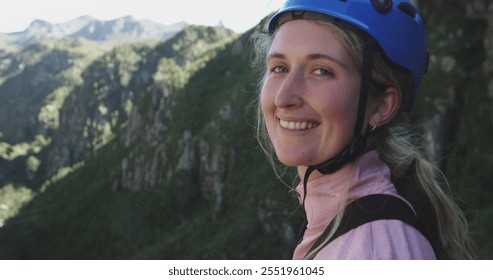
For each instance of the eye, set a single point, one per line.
(278, 69)
(322, 72)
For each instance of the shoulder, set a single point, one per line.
(382, 239)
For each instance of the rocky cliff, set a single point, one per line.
(455, 104)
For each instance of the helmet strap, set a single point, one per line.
(358, 144)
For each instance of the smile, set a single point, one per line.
(297, 125)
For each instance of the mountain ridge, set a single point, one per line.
(110, 32)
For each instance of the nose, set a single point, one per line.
(289, 94)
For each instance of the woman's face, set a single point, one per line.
(309, 98)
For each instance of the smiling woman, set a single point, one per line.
(311, 82)
(339, 77)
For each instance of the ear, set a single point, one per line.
(386, 107)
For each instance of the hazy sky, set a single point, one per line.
(239, 15)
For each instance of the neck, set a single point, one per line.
(314, 175)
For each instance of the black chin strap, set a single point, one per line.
(358, 144)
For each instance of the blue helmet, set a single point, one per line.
(395, 25)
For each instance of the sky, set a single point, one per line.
(239, 15)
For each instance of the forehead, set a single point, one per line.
(305, 36)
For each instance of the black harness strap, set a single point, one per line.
(368, 209)
(358, 144)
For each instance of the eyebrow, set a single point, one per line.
(313, 56)
(274, 55)
(328, 57)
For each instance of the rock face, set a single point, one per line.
(455, 103)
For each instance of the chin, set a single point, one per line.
(293, 161)
(288, 163)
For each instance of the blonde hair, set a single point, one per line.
(415, 177)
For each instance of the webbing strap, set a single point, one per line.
(368, 209)
(358, 143)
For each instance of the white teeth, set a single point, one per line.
(297, 125)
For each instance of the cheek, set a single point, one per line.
(266, 100)
(339, 113)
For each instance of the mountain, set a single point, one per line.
(147, 121)
(148, 150)
(111, 32)
(35, 84)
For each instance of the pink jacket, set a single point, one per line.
(382, 239)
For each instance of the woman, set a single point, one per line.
(339, 77)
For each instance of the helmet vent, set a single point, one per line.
(383, 6)
(407, 9)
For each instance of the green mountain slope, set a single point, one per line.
(172, 184)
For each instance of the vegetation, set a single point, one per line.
(11, 200)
